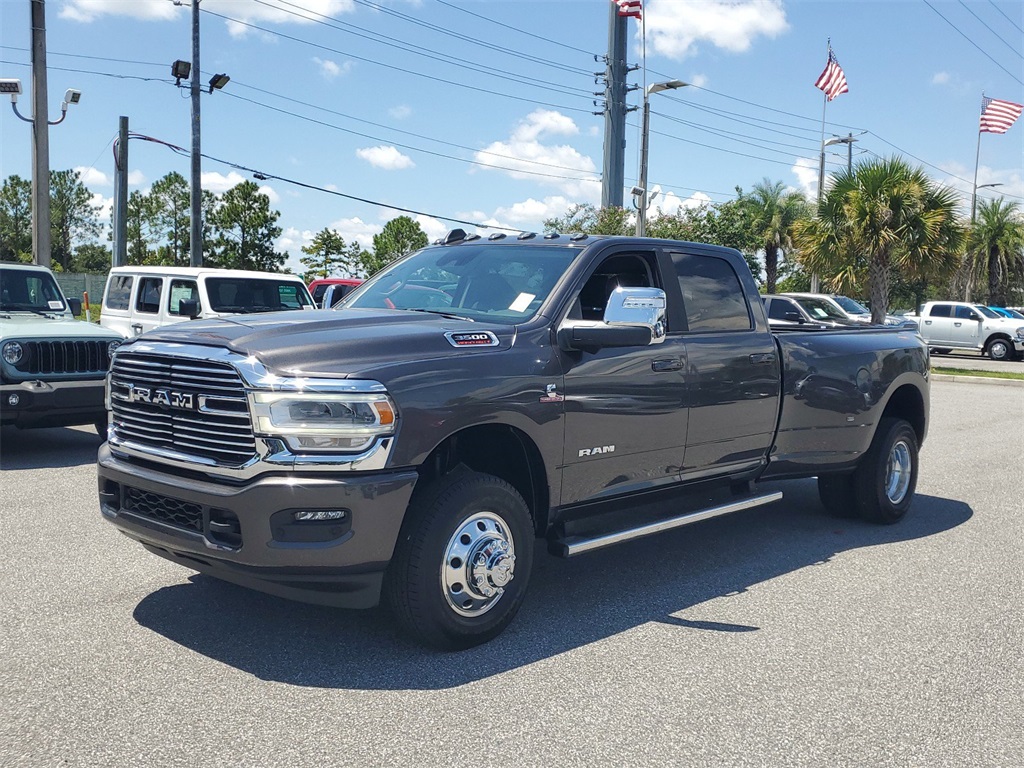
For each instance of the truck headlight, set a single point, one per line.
(1020, 333)
(12, 352)
(324, 422)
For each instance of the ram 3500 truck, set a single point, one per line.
(480, 393)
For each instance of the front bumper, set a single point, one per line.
(52, 403)
(247, 534)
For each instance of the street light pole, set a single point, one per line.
(196, 194)
(642, 195)
(40, 140)
(974, 196)
(848, 140)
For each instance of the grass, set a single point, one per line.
(983, 374)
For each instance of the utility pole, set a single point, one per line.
(121, 195)
(613, 175)
(40, 140)
(196, 195)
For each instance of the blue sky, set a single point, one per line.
(483, 110)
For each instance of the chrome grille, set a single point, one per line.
(43, 357)
(194, 408)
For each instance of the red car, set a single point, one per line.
(319, 287)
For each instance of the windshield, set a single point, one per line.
(986, 311)
(501, 283)
(820, 309)
(852, 307)
(254, 294)
(29, 290)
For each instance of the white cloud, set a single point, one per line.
(356, 230)
(331, 69)
(401, 112)
(93, 177)
(669, 203)
(219, 183)
(698, 80)
(806, 172)
(388, 158)
(524, 155)
(940, 78)
(104, 206)
(430, 225)
(531, 213)
(674, 29)
(270, 193)
(1010, 181)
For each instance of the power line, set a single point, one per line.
(1006, 17)
(965, 37)
(264, 176)
(986, 26)
(419, 50)
(455, 83)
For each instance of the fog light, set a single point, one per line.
(305, 515)
(13, 399)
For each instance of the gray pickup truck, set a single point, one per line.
(411, 444)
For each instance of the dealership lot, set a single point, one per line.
(776, 636)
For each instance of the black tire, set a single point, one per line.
(454, 534)
(836, 494)
(1000, 349)
(886, 477)
(940, 350)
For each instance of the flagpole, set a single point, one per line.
(821, 159)
(977, 158)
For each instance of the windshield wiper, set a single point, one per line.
(443, 313)
(25, 308)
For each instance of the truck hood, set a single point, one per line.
(333, 342)
(25, 325)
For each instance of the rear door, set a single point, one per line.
(733, 379)
(148, 300)
(937, 325)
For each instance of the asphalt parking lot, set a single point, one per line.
(774, 637)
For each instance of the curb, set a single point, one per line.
(961, 379)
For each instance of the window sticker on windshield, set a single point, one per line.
(522, 302)
(55, 304)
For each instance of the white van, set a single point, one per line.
(139, 299)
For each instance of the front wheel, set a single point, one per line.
(886, 477)
(1000, 349)
(462, 562)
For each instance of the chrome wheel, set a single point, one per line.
(999, 350)
(479, 562)
(898, 472)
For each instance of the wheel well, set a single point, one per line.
(498, 450)
(994, 336)
(907, 403)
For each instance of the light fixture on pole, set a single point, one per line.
(640, 197)
(218, 82)
(974, 196)
(815, 283)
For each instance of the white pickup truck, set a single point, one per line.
(949, 325)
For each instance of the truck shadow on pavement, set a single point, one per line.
(47, 448)
(570, 602)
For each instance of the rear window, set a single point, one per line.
(181, 290)
(119, 292)
(940, 310)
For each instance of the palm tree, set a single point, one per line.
(774, 213)
(995, 248)
(882, 216)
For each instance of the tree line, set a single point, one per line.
(239, 230)
(883, 232)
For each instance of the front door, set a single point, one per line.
(625, 412)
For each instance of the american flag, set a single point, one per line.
(997, 115)
(629, 7)
(832, 81)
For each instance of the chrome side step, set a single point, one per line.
(574, 545)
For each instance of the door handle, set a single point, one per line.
(957, 325)
(137, 327)
(927, 322)
(762, 357)
(659, 366)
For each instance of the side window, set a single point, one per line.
(621, 271)
(713, 297)
(319, 291)
(779, 308)
(940, 310)
(149, 295)
(966, 313)
(120, 292)
(181, 290)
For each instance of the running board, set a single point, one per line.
(574, 545)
